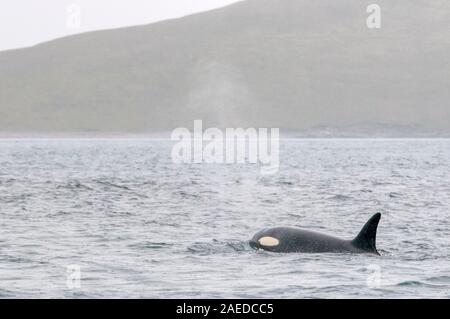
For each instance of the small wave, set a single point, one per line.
(410, 283)
(416, 283)
(160, 223)
(15, 198)
(218, 247)
(394, 195)
(112, 185)
(74, 185)
(151, 245)
(63, 213)
(377, 183)
(269, 201)
(340, 197)
(14, 259)
(120, 213)
(186, 195)
(286, 183)
(120, 187)
(385, 253)
(443, 280)
(6, 294)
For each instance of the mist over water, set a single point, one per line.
(140, 226)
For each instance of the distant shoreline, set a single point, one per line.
(83, 135)
(167, 135)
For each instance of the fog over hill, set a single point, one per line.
(301, 65)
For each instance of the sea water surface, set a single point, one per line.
(139, 226)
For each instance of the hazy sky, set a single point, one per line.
(28, 22)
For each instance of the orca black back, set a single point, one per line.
(290, 239)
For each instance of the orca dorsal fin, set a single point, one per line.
(366, 239)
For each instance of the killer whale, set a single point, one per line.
(290, 239)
